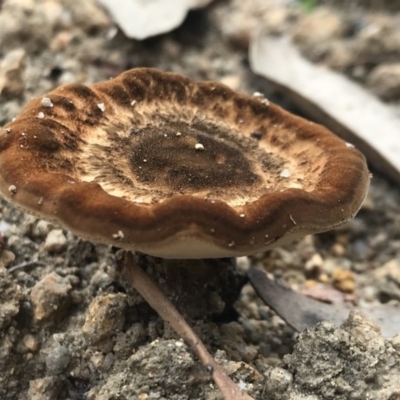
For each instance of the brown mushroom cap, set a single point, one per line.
(155, 162)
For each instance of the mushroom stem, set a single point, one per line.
(138, 279)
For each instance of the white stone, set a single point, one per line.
(55, 242)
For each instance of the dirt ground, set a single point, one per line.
(70, 330)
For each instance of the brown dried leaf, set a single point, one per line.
(326, 294)
(301, 312)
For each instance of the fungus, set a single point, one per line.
(177, 169)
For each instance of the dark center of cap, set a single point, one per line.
(183, 158)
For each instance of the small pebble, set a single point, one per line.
(49, 295)
(389, 271)
(108, 361)
(31, 343)
(12, 69)
(243, 263)
(42, 228)
(314, 263)
(44, 388)
(56, 242)
(278, 379)
(10, 302)
(105, 317)
(384, 80)
(58, 359)
(6, 258)
(97, 360)
(338, 249)
(343, 280)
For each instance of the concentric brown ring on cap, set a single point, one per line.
(155, 162)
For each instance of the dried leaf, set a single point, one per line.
(331, 99)
(327, 294)
(301, 312)
(142, 19)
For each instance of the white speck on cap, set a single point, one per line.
(118, 235)
(12, 189)
(101, 106)
(286, 173)
(46, 102)
(261, 97)
(199, 146)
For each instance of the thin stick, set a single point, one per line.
(136, 277)
(29, 264)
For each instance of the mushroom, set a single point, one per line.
(157, 163)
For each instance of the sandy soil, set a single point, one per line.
(70, 330)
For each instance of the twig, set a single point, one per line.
(136, 277)
(29, 264)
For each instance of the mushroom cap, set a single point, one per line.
(155, 162)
